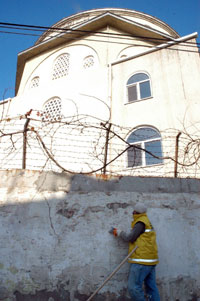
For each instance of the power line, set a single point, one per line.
(64, 30)
(19, 33)
(72, 30)
(188, 44)
(105, 41)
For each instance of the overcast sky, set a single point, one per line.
(181, 15)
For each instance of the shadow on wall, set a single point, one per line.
(55, 240)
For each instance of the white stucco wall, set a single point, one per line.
(55, 240)
(173, 90)
(172, 107)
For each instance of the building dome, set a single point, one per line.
(87, 17)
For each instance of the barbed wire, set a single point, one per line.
(81, 147)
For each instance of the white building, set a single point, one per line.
(99, 88)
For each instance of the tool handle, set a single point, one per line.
(112, 274)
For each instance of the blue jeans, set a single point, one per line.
(138, 275)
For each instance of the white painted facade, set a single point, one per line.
(83, 70)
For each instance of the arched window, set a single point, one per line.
(138, 87)
(34, 82)
(146, 147)
(61, 66)
(52, 110)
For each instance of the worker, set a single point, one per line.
(144, 259)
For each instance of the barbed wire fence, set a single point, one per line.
(81, 145)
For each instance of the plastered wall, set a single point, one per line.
(55, 243)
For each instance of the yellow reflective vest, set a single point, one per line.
(147, 251)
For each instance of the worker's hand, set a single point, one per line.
(113, 231)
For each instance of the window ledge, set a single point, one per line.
(145, 166)
(134, 101)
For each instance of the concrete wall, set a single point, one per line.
(55, 243)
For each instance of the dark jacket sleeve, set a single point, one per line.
(131, 236)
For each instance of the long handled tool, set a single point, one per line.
(112, 274)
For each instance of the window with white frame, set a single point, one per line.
(61, 66)
(88, 62)
(35, 82)
(52, 110)
(138, 87)
(146, 147)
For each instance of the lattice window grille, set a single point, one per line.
(88, 62)
(61, 66)
(123, 56)
(35, 82)
(52, 110)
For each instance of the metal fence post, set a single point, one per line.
(106, 148)
(25, 143)
(176, 155)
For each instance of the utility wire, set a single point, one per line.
(72, 30)
(104, 41)
(20, 33)
(188, 44)
(64, 30)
